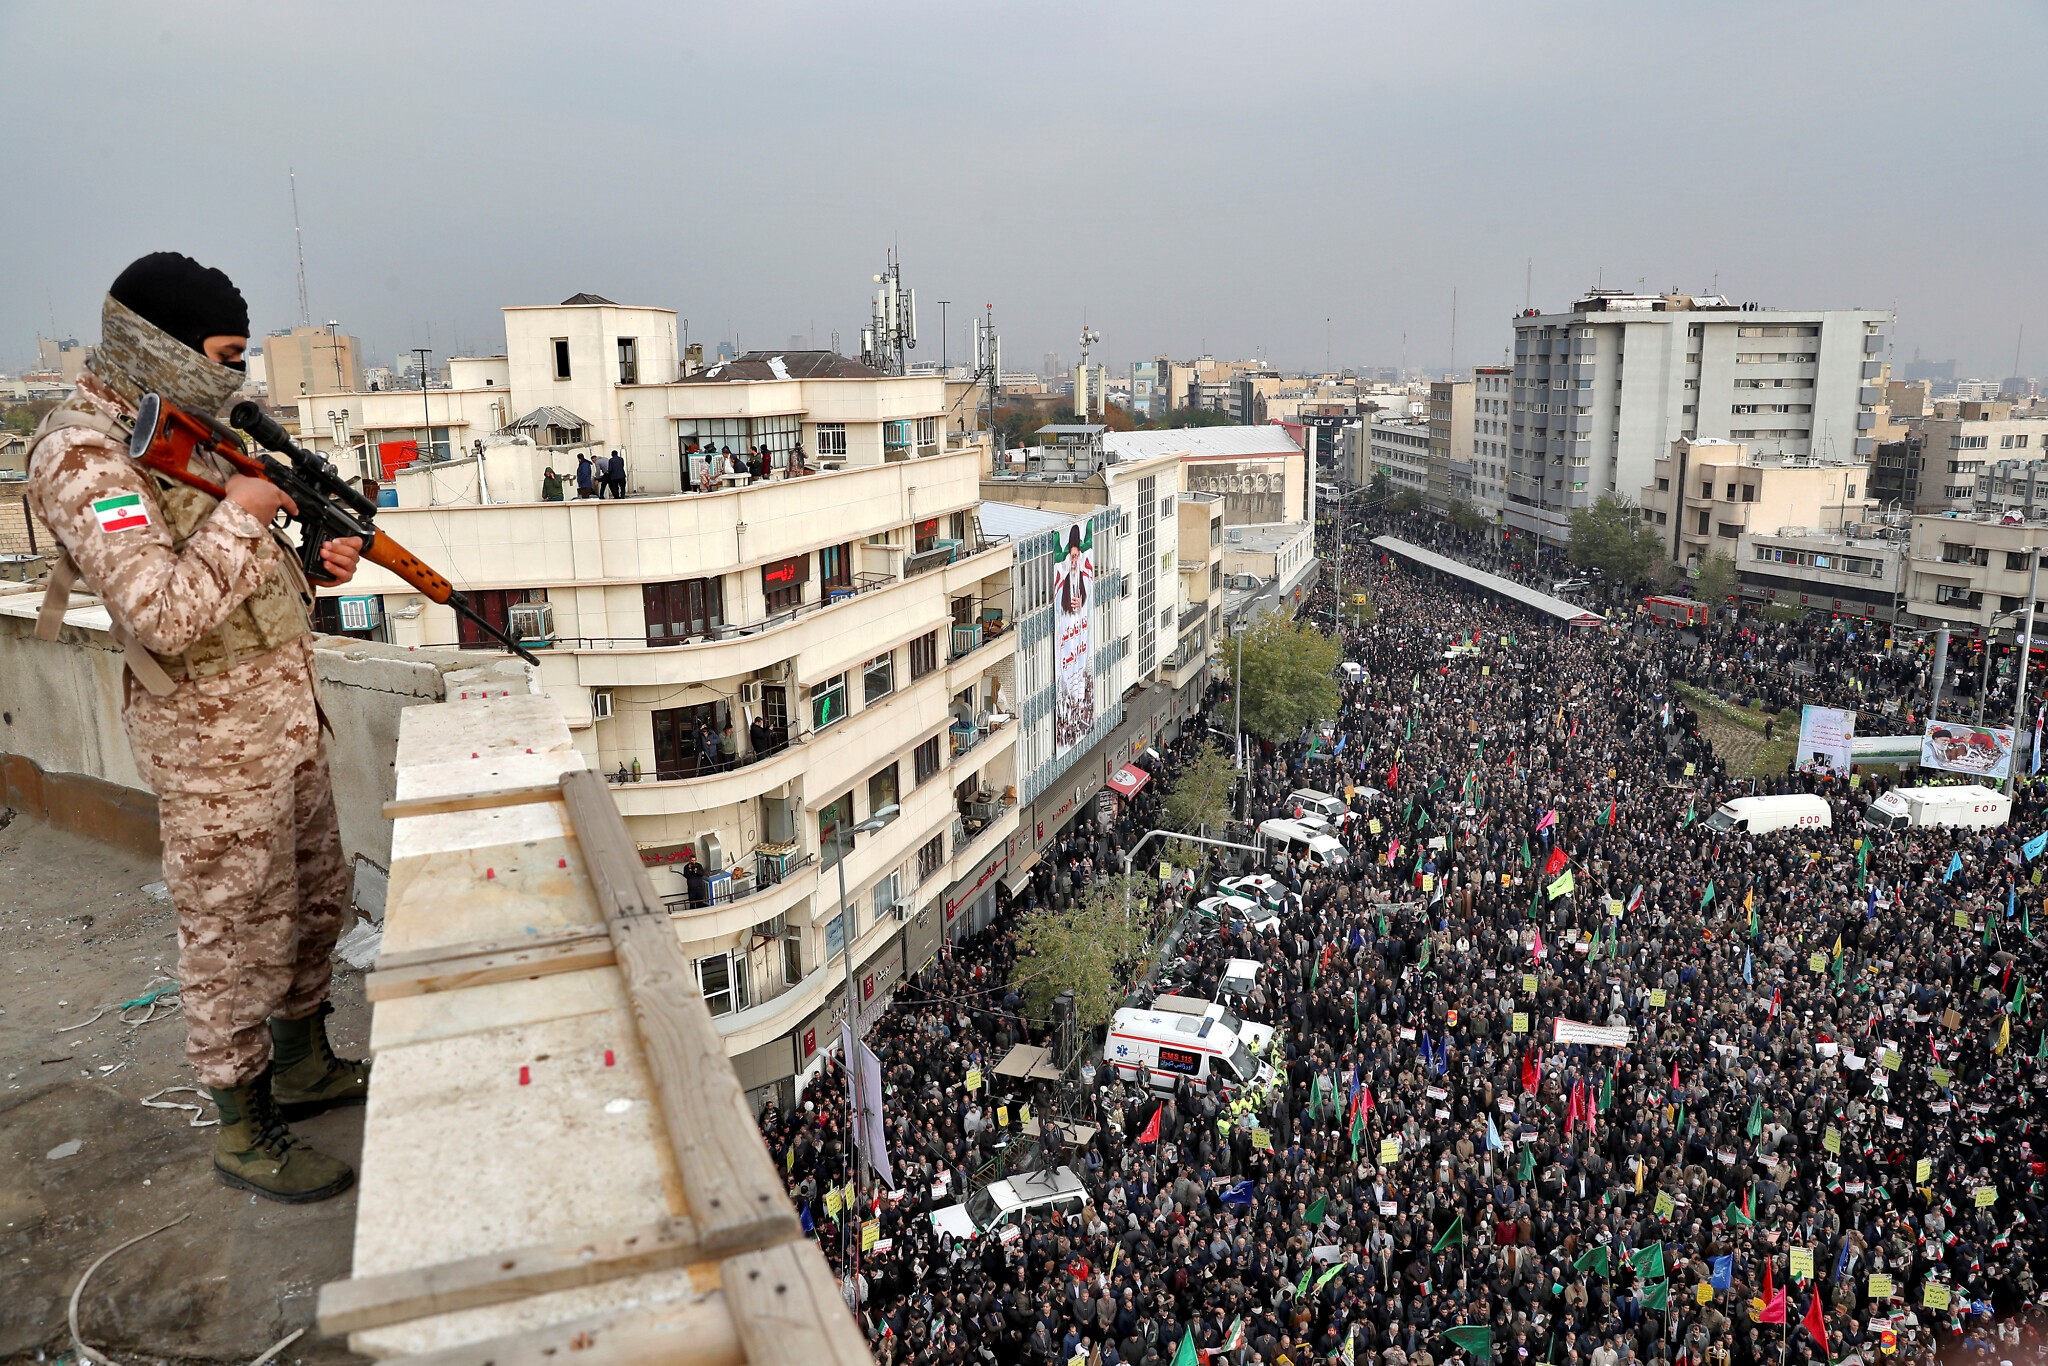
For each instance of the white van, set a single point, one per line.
(1760, 815)
(1240, 977)
(1253, 1033)
(1970, 807)
(1286, 841)
(1002, 1204)
(1173, 1046)
(1306, 801)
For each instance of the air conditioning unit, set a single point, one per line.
(710, 851)
(531, 623)
(601, 704)
(750, 694)
(902, 910)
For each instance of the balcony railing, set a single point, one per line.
(698, 766)
(751, 877)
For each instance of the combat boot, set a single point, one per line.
(255, 1151)
(305, 1076)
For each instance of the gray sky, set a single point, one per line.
(1185, 176)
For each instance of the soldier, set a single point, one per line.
(221, 713)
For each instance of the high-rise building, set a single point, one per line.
(1490, 392)
(311, 360)
(1600, 392)
(1450, 442)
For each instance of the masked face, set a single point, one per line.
(136, 357)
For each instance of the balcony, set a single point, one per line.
(775, 877)
(738, 779)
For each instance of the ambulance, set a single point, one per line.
(1167, 1046)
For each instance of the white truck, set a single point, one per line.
(1969, 807)
(1784, 811)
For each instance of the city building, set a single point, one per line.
(310, 360)
(1944, 451)
(1972, 572)
(1706, 492)
(1491, 386)
(1146, 393)
(1261, 472)
(1091, 390)
(757, 668)
(1795, 383)
(63, 357)
(1859, 571)
(1400, 450)
(1450, 470)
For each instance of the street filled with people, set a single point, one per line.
(1567, 1070)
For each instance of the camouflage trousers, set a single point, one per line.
(261, 889)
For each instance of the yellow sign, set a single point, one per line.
(1962, 919)
(1262, 1140)
(1922, 1170)
(1802, 1263)
(1818, 963)
(1880, 1286)
(1690, 770)
(1705, 1293)
(1831, 1139)
(832, 1201)
(1889, 1060)
(1428, 882)
(1657, 997)
(1665, 1206)
(1987, 1196)
(1003, 1115)
(1529, 982)
(870, 1234)
(1521, 1022)
(1390, 1151)
(1486, 671)
(1024, 1114)
(974, 1078)
(1373, 825)
(1934, 1295)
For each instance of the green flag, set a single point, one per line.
(1755, 1127)
(1329, 1275)
(1300, 1287)
(1648, 1261)
(1473, 1339)
(1526, 860)
(1527, 1171)
(1690, 816)
(1707, 897)
(1656, 1295)
(1453, 1235)
(1357, 1131)
(1607, 1093)
(2019, 990)
(2041, 1053)
(1184, 1355)
(1593, 1259)
(1315, 1212)
(1734, 1215)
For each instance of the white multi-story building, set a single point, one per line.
(758, 668)
(1960, 441)
(1400, 449)
(1600, 393)
(1490, 395)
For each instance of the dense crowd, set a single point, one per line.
(1832, 1073)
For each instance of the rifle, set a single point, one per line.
(166, 437)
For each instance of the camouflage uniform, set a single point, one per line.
(232, 746)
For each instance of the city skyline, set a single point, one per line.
(1306, 188)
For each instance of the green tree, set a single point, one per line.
(1083, 948)
(1289, 680)
(1201, 794)
(1467, 518)
(1716, 580)
(1405, 502)
(1610, 536)
(1379, 490)
(1189, 417)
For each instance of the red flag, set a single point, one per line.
(1776, 1001)
(1613, 809)
(1674, 1075)
(1554, 865)
(1774, 1300)
(1393, 775)
(1815, 1322)
(1151, 1133)
(1531, 1077)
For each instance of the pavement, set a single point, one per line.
(85, 1166)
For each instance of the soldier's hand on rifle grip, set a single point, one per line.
(340, 557)
(260, 498)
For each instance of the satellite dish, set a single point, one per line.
(149, 415)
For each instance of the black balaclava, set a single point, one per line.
(189, 301)
(153, 324)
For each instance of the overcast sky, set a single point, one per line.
(1185, 177)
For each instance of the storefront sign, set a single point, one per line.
(966, 892)
(656, 855)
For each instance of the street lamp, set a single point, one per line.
(842, 840)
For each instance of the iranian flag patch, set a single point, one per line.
(121, 512)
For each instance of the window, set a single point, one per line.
(561, 358)
(926, 760)
(882, 789)
(885, 896)
(690, 741)
(691, 609)
(828, 702)
(878, 678)
(629, 363)
(931, 857)
(927, 535)
(927, 431)
(834, 817)
(1969, 443)
(792, 957)
(831, 438)
(924, 654)
(835, 936)
(1850, 493)
(2015, 559)
(2019, 442)
(1749, 493)
(1727, 531)
(782, 583)
(723, 980)
(491, 605)
(835, 566)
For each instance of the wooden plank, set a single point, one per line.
(501, 1005)
(477, 948)
(474, 971)
(698, 1333)
(474, 801)
(494, 1278)
(789, 1311)
(733, 1188)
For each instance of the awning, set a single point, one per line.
(1128, 780)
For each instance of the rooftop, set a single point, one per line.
(1203, 443)
(1016, 521)
(1264, 537)
(784, 365)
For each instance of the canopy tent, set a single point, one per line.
(1570, 613)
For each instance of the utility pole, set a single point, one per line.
(420, 354)
(1237, 723)
(945, 364)
(1940, 673)
(2019, 692)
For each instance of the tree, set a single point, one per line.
(1405, 502)
(1083, 948)
(1189, 417)
(1610, 536)
(1379, 490)
(1289, 679)
(1716, 580)
(1467, 518)
(1201, 794)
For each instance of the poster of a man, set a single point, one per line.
(1073, 592)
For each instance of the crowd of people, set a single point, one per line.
(1564, 1074)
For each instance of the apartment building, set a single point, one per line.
(1400, 450)
(1706, 492)
(311, 360)
(1449, 465)
(1859, 571)
(1600, 392)
(1972, 572)
(759, 668)
(1491, 386)
(1951, 447)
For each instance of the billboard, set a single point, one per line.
(1073, 615)
(1981, 751)
(1826, 736)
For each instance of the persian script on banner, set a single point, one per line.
(1598, 1036)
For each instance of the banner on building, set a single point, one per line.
(1981, 751)
(1073, 612)
(1599, 1036)
(1826, 735)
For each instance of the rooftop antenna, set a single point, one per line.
(299, 241)
(1083, 400)
(1528, 280)
(891, 333)
(2017, 343)
(1454, 329)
